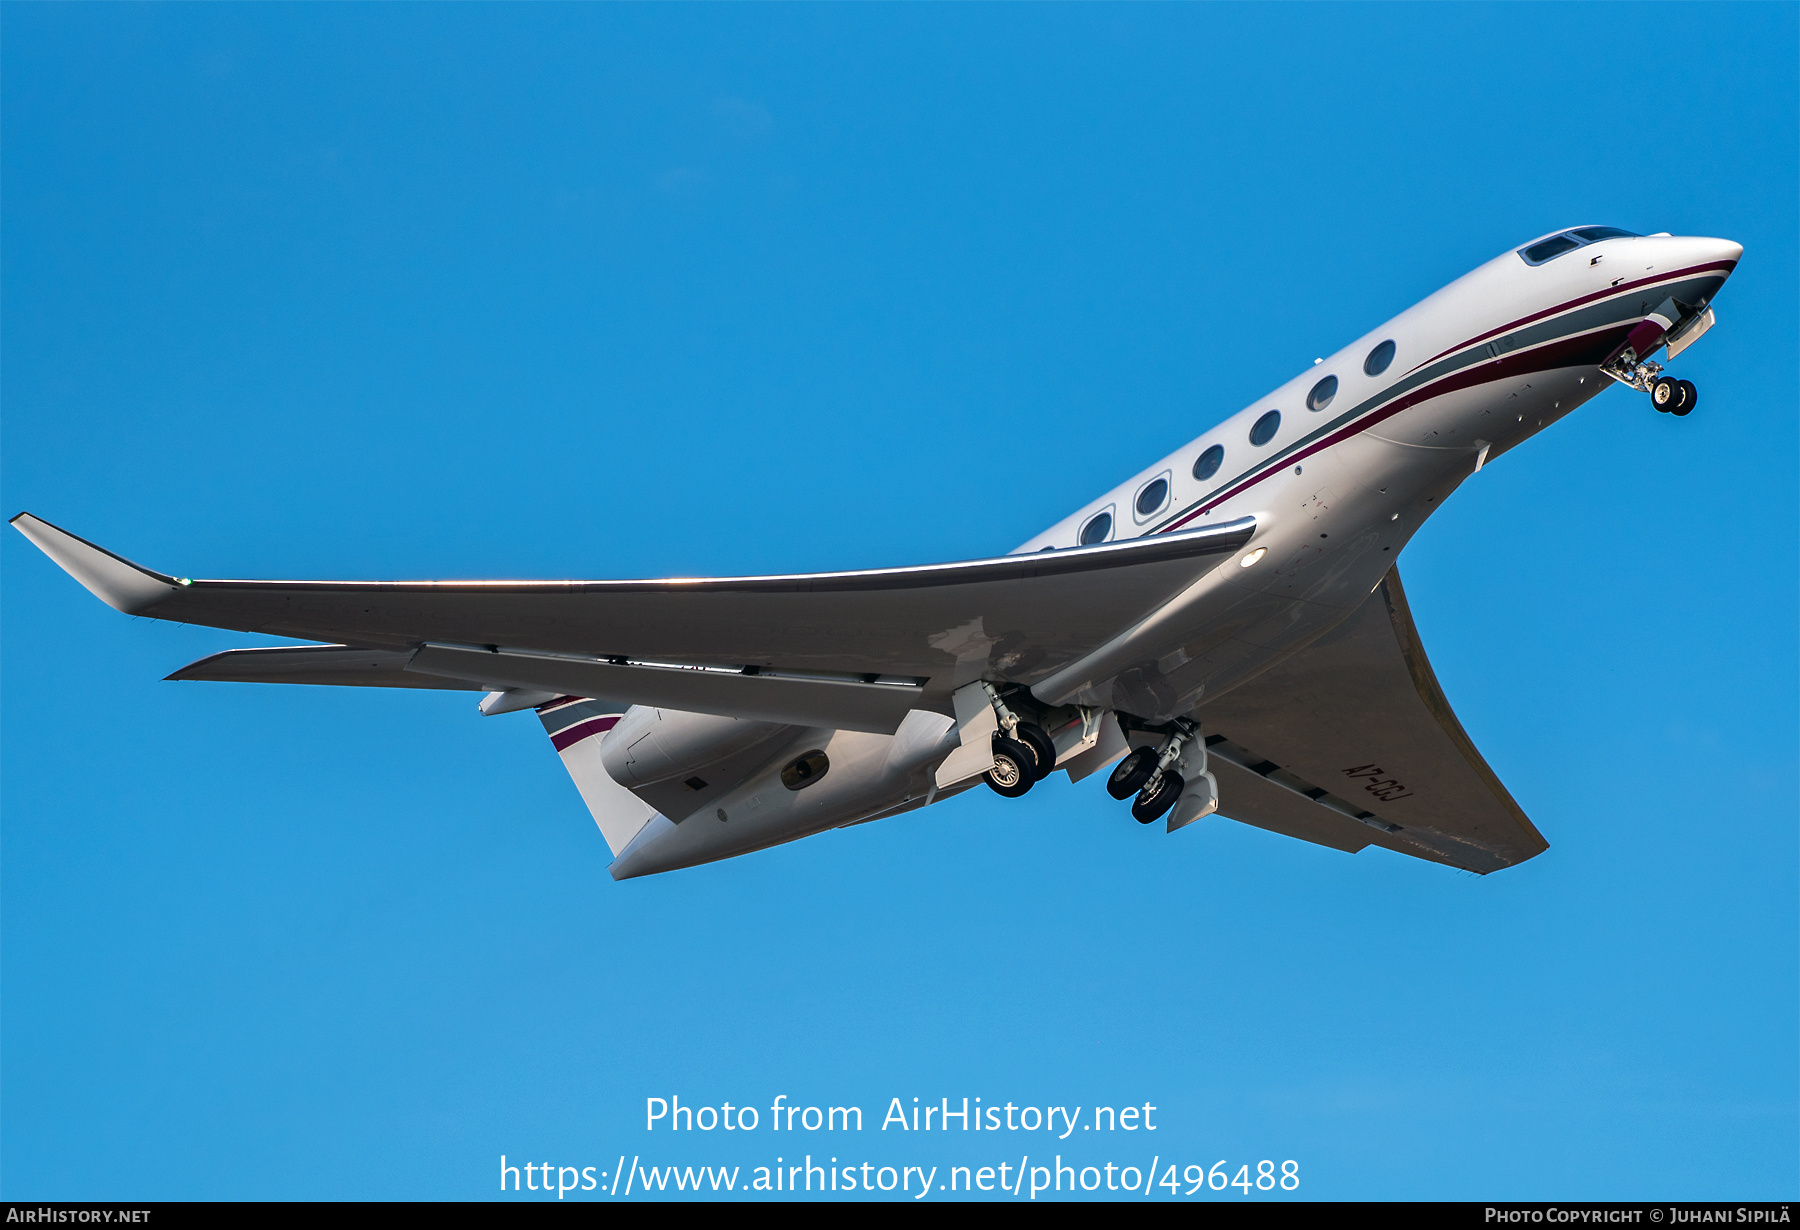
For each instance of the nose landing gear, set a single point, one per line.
(1673, 396)
(1667, 394)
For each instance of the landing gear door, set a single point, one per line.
(1690, 333)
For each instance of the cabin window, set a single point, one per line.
(1265, 428)
(1096, 530)
(804, 770)
(1379, 358)
(1152, 497)
(1322, 393)
(1548, 249)
(1207, 464)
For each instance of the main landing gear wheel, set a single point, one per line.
(1130, 774)
(1015, 768)
(1042, 749)
(1687, 397)
(1665, 394)
(1157, 798)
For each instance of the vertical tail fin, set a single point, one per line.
(577, 727)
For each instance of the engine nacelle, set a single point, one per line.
(653, 745)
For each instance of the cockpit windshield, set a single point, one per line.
(1548, 249)
(1594, 234)
(1553, 247)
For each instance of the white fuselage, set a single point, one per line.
(1337, 487)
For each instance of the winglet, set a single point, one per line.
(121, 584)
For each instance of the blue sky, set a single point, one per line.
(414, 291)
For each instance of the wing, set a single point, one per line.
(854, 649)
(1351, 742)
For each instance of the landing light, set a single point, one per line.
(1253, 557)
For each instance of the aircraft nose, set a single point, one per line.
(1697, 250)
(1726, 250)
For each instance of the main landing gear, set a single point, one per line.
(1023, 752)
(1667, 394)
(1149, 773)
(1169, 778)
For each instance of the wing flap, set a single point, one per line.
(1251, 799)
(876, 705)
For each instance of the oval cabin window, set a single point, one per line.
(1322, 393)
(1265, 428)
(1153, 497)
(804, 770)
(1207, 464)
(1379, 358)
(1096, 530)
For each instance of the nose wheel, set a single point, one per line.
(1672, 396)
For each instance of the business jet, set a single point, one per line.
(1225, 632)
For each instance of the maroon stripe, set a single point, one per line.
(569, 737)
(1628, 288)
(551, 706)
(1569, 352)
